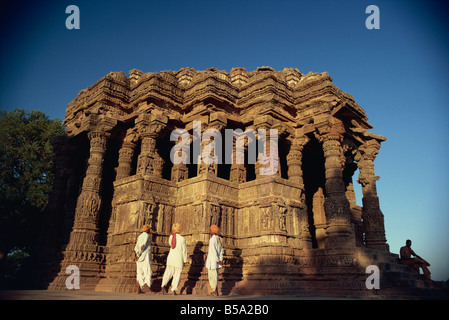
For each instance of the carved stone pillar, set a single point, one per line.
(179, 172)
(125, 158)
(209, 148)
(295, 174)
(336, 205)
(158, 164)
(319, 217)
(126, 154)
(294, 160)
(149, 127)
(181, 157)
(85, 226)
(238, 173)
(267, 163)
(372, 216)
(238, 169)
(203, 166)
(82, 249)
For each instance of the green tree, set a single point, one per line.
(26, 175)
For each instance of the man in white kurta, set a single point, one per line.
(143, 258)
(175, 260)
(214, 258)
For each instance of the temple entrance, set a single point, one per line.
(314, 184)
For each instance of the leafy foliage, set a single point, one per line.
(26, 174)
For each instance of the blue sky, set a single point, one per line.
(398, 74)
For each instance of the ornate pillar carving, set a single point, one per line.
(267, 162)
(295, 174)
(126, 154)
(158, 164)
(208, 165)
(319, 217)
(179, 172)
(238, 169)
(294, 160)
(182, 157)
(149, 127)
(85, 226)
(83, 249)
(373, 218)
(336, 205)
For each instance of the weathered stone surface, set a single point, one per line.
(280, 231)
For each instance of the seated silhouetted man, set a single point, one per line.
(416, 262)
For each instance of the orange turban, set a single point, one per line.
(176, 228)
(145, 228)
(214, 229)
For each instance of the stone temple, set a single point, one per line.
(297, 230)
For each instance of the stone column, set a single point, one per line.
(319, 217)
(85, 227)
(180, 171)
(336, 205)
(264, 144)
(216, 124)
(238, 169)
(158, 164)
(149, 127)
(372, 216)
(82, 249)
(126, 154)
(295, 174)
(125, 158)
(204, 167)
(294, 160)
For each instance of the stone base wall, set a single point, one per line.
(265, 252)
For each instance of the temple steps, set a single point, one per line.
(397, 281)
(348, 281)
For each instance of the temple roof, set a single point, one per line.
(287, 95)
